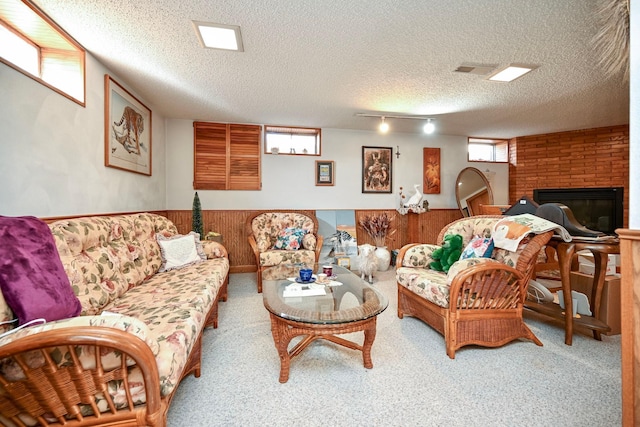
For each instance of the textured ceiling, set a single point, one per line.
(318, 63)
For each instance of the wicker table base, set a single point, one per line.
(285, 330)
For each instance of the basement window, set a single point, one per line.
(36, 46)
(292, 140)
(488, 150)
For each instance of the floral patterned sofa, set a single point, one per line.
(283, 238)
(74, 370)
(480, 299)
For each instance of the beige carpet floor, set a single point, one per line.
(412, 383)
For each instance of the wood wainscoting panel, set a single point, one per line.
(410, 228)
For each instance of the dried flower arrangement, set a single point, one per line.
(378, 227)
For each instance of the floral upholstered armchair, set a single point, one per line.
(480, 299)
(283, 238)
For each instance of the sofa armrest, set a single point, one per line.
(214, 249)
(60, 370)
(416, 255)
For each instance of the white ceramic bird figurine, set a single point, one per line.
(415, 199)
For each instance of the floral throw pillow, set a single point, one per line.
(179, 251)
(290, 239)
(478, 247)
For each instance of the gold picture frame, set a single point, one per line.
(325, 172)
(127, 130)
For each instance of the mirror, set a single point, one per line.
(472, 190)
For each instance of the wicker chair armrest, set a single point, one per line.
(487, 286)
(36, 381)
(214, 249)
(254, 248)
(529, 256)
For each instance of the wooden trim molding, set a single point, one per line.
(51, 219)
(630, 325)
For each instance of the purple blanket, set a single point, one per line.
(32, 278)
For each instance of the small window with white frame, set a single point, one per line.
(36, 46)
(488, 150)
(292, 140)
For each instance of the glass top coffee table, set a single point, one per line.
(350, 306)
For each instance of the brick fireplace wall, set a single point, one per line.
(576, 159)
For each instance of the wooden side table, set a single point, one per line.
(566, 250)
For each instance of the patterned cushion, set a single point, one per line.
(419, 256)
(429, 284)
(290, 239)
(276, 257)
(267, 226)
(179, 251)
(174, 305)
(105, 256)
(478, 247)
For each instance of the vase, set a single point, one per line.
(384, 258)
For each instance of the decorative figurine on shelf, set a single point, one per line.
(415, 199)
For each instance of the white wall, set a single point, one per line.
(289, 181)
(52, 152)
(52, 162)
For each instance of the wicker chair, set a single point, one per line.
(263, 230)
(481, 300)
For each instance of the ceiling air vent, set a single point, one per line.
(478, 69)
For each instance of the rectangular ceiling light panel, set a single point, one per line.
(219, 36)
(511, 73)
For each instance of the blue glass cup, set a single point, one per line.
(305, 274)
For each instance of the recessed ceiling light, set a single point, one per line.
(219, 36)
(511, 73)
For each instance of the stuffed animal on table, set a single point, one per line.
(447, 254)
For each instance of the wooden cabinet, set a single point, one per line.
(226, 156)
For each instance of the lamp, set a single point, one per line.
(429, 127)
(384, 126)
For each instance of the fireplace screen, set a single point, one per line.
(596, 208)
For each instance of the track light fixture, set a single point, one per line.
(383, 127)
(429, 127)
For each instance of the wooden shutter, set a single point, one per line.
(244, 157)
(226, 156)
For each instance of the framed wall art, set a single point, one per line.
(431, 170)
(376, 169)
(127, 130)
(325, 172)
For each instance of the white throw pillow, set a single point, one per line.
(178, 251)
